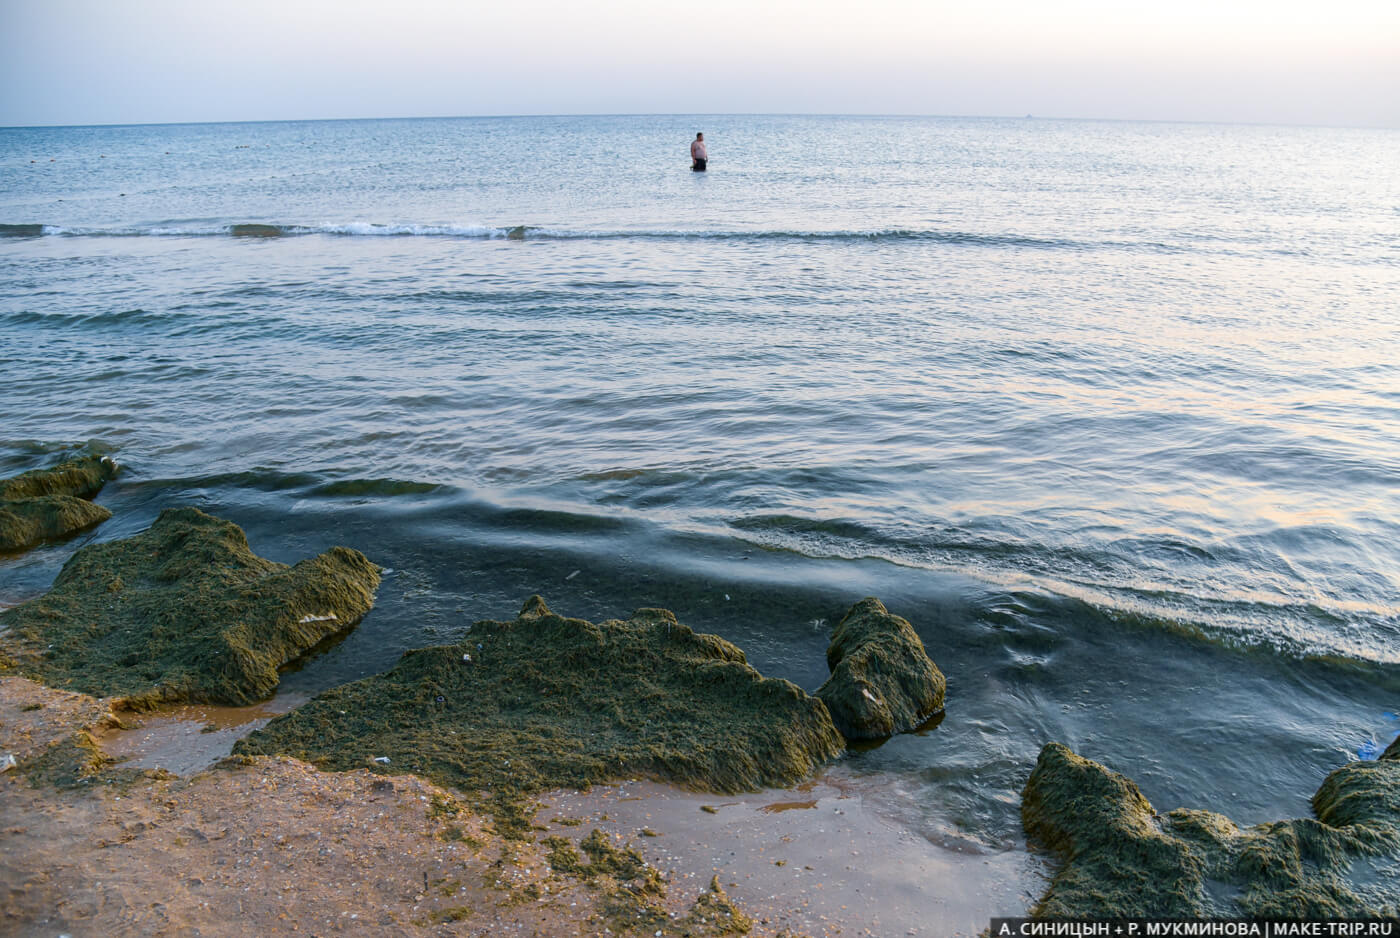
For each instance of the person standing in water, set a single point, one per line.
(698, 156)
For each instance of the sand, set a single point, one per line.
(270, 845)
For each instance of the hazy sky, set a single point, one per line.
(137, 61)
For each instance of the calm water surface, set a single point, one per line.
(1109, 411)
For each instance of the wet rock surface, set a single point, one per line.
(45, 504)
(1122, 859)
(82, 478)
(546, 701)
(882, 681)
(184, 611)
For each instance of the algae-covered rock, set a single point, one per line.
(1123, 860)
(545, 702)
(51, 503)
(882, 681)
(25, 522)
(184, 611)
(81, 478)
(1094, 816)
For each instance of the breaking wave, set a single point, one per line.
(532, 233)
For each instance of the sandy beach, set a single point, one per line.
(176, 840)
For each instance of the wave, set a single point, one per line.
(1303, 627)
(533, 233)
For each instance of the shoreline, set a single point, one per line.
(327, 850)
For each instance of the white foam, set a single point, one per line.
(377, 229)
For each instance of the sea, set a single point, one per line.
(1110, 411)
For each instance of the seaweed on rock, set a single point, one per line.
(184, 611)
(50, 503)
(882, 681)
(545, 701)
(1123, 860)
(80, 478)
(25, 522)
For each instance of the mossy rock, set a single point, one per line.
(882, 681)
(547, 702)
(25, 522)
(44, 504)
(82, 478)
(184, 611)
(1123, 860)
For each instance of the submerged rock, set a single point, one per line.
(1123, 860)
(882, 681)
(546, 702)
(184, 611)
(50, 503)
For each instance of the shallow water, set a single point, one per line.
(1109, 411)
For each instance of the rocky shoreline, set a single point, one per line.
(480, 729)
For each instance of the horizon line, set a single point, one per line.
(832, 114)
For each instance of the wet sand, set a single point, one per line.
(272, 846)
(821, 859)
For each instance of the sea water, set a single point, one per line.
(1109, 411)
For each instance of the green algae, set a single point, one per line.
(76, 761)
(882, 681)
(1123, 860)
(547, 702)
(621, 863)
(632, 892)
(45, 504)
(714, 913)
(184, 611)
(81, 478)
(25, 522)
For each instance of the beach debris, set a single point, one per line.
(8, 762)
(882, 681)
(466, 658)
(184, 611)
(572, 575)
(1123, 860)
(567, 703)
(44, 504)
(382, 760)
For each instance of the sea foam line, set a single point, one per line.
(526, 232)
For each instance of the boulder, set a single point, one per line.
(546, 702)
(184, 611)
(1123, 860)
(882, 681)
(51, 503)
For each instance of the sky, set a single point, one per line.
(1332, 62)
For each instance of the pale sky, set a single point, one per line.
(1331, 62)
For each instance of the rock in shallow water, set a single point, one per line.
(81, 478)
(882, 681)
(50, 503)
(1123, 860)
(547, 702)
(184, 611)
